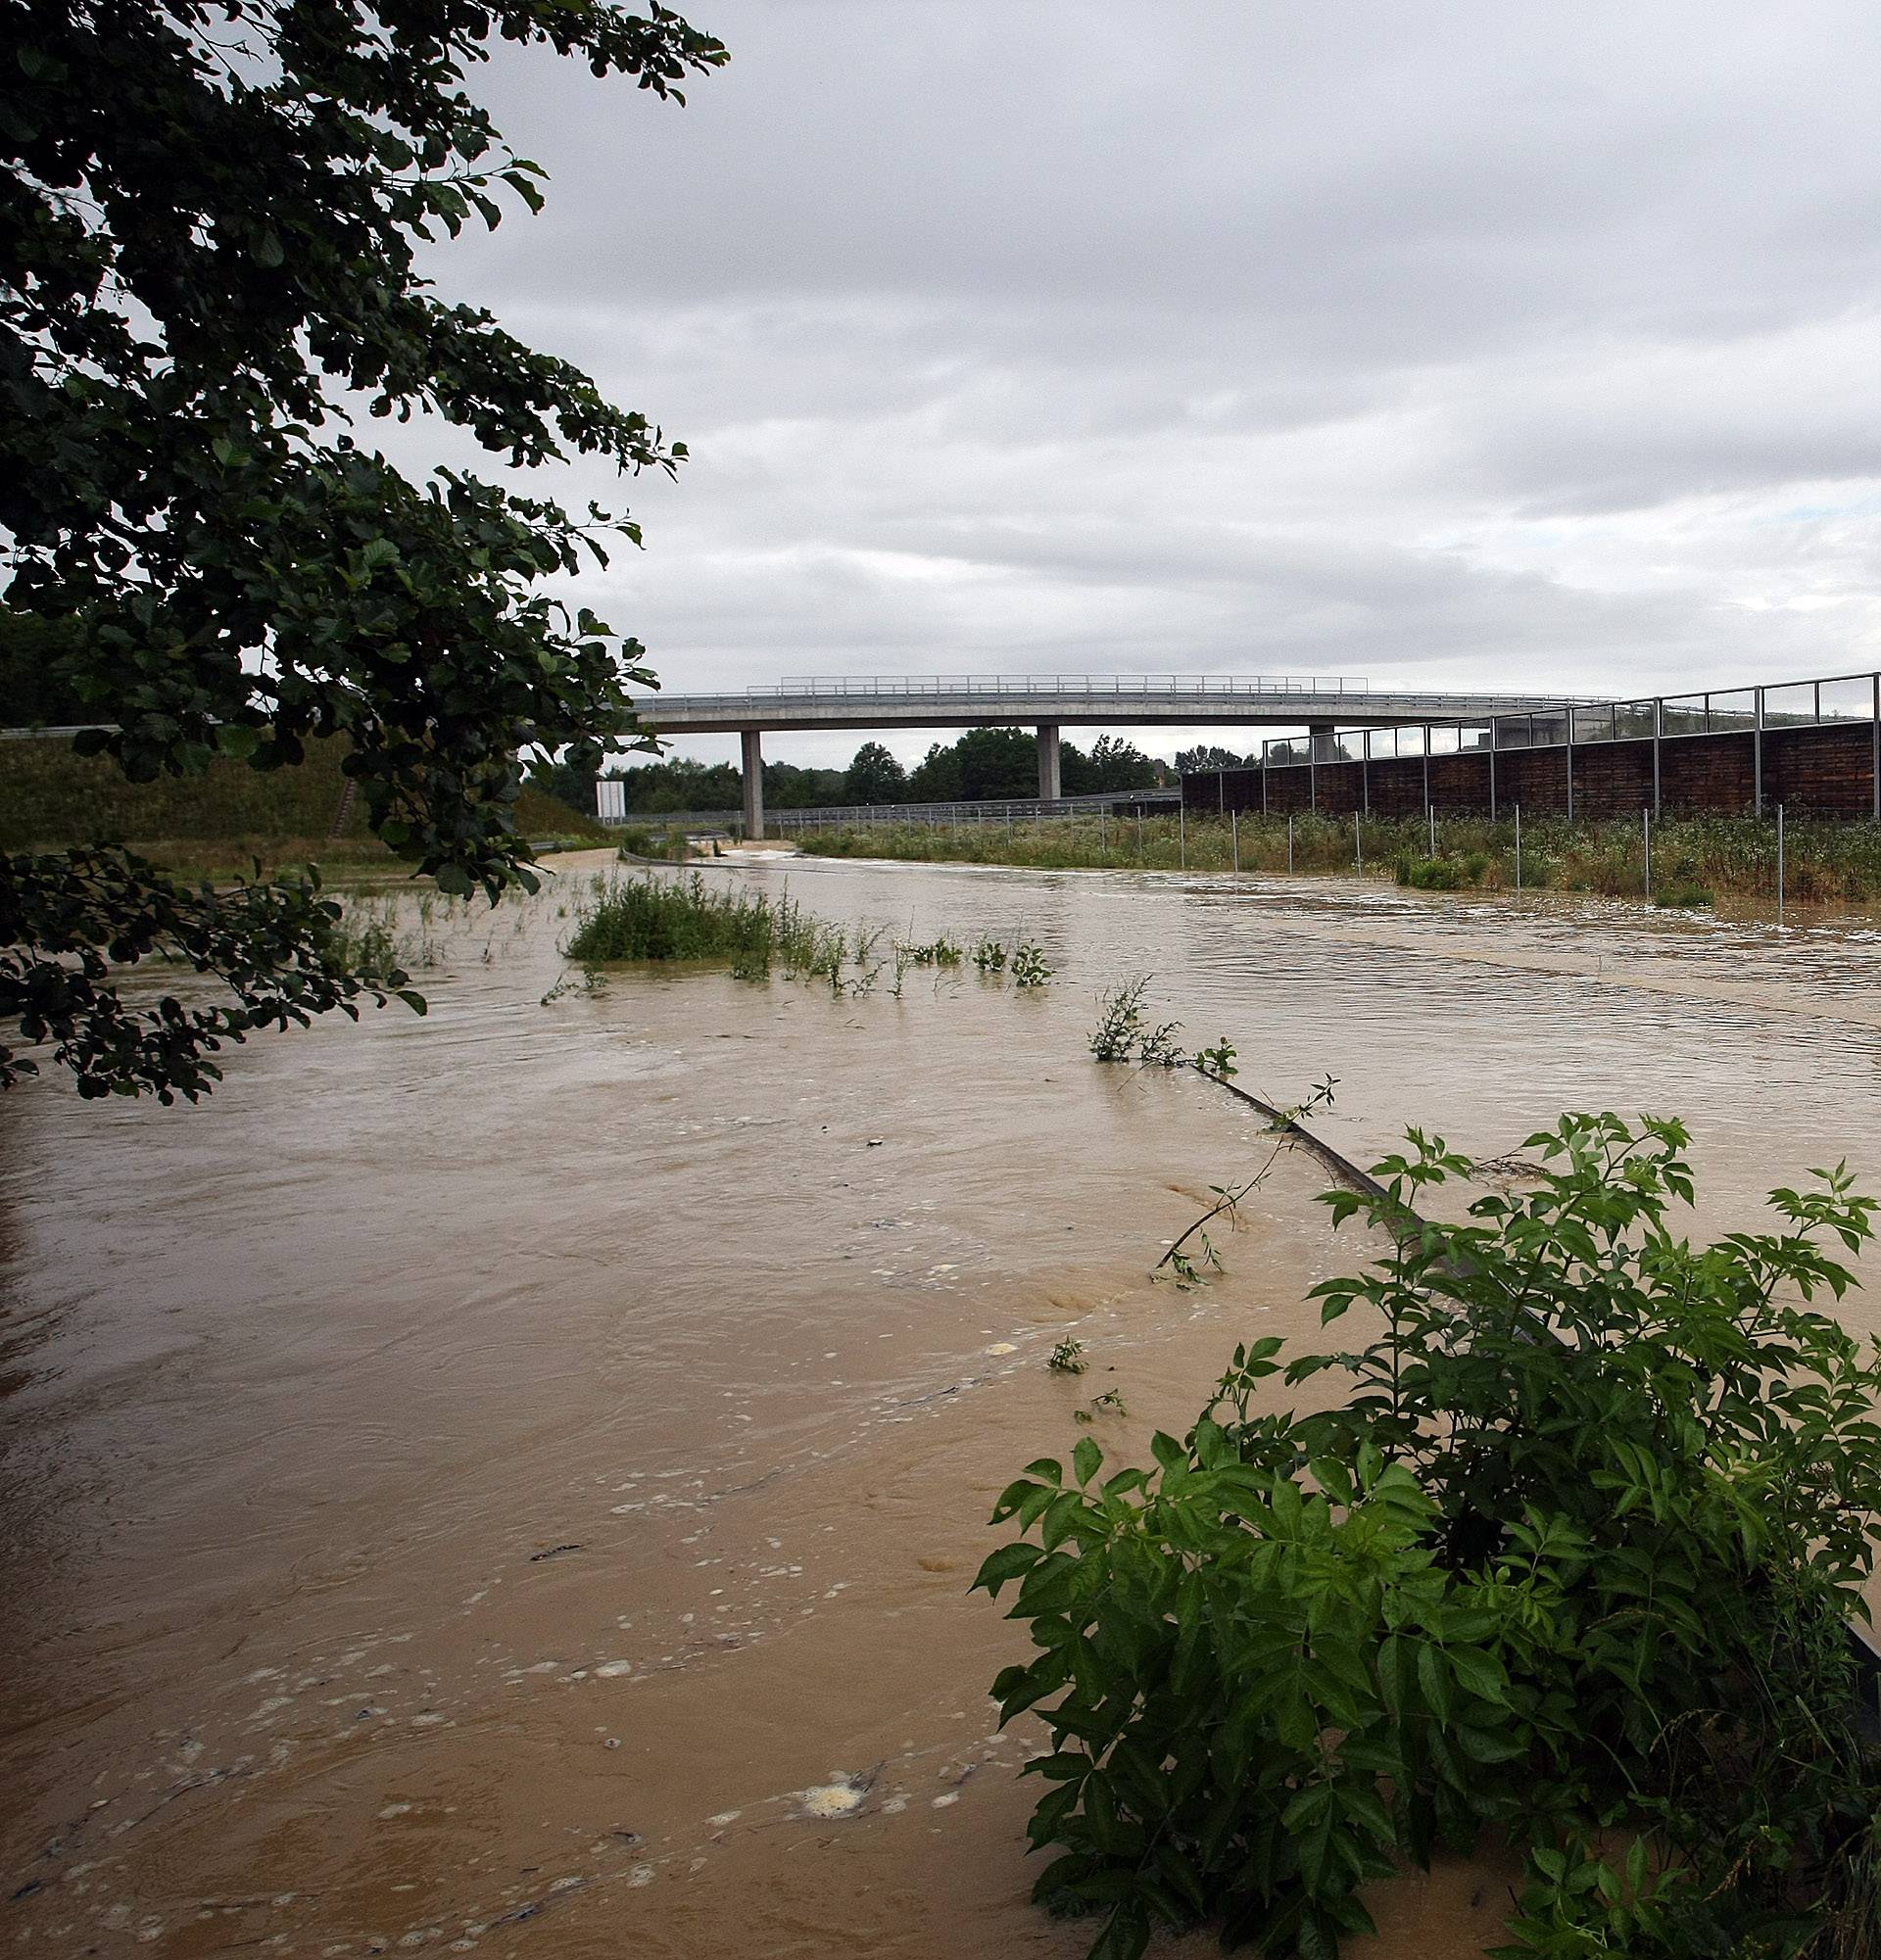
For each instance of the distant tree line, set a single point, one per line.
(1189, 760)
(985, 763)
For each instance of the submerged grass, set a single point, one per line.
(651, 918)
(1828, 861)
(685, 919)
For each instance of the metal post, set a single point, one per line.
(1182, 835)
(1140, 834)
(1290, 844)
(1103, 834)
(1433, 815)
(1570, 724)
(1364, 773)
(1518, 847)
(1492, 772)
(1312, 772)
(1235, 831)
(1876, 757)
(1779, 864)
(1358, 841)
(1756, 758)
(1427, 766)
(1659, 725)
(1645, 836)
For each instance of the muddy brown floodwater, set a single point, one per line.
(507, 1482)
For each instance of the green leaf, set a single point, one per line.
(1007, 1562)
(1087, 1458)
(1433, 1679)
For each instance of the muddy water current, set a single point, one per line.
(507, 1482)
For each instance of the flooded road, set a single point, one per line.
(507, 1482)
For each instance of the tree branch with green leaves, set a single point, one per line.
(210, 217)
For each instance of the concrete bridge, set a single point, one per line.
(1049, 702)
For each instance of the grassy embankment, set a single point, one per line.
(1693, 858)
(217, 824)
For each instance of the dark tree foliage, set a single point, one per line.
(1208, 756)
(34, 690)
(986, 762)
(207, 226)
(874, 776)
(1112, 764)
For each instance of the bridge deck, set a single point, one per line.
(1080, 700)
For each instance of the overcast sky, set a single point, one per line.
(1475, 344)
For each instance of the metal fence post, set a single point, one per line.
(1779, 867)
(1431, 813)
(1358, 841)
(1645, 836)
(1235, 831)
(1518, 847)
(1756, 755)
(1568, 720)
(1659, 725)
(1181, 835)
(1140, 834)
(1290, 844)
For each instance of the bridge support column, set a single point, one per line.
(754, 783)
(1050, 781)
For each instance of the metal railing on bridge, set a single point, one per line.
(1146, 687)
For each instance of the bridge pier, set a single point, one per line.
(753, 781)
(1050, 779)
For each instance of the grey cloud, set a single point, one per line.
(1470, 342)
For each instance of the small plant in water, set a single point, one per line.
(1218, 1061)
(1028, 966)
(1068, 1357)
(990, 956)
(1110, 1403)
(1159, 1049)
(1119, 1019)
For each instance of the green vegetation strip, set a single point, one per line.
(1693, 858)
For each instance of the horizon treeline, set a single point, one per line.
(984, 764)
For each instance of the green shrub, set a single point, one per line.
(1573, 1562)
(1692, 895)
(1429, 873)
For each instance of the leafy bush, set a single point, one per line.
(1573, 1561)
(1430, 874)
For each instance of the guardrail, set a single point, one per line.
(987, 810)
(819, 686)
